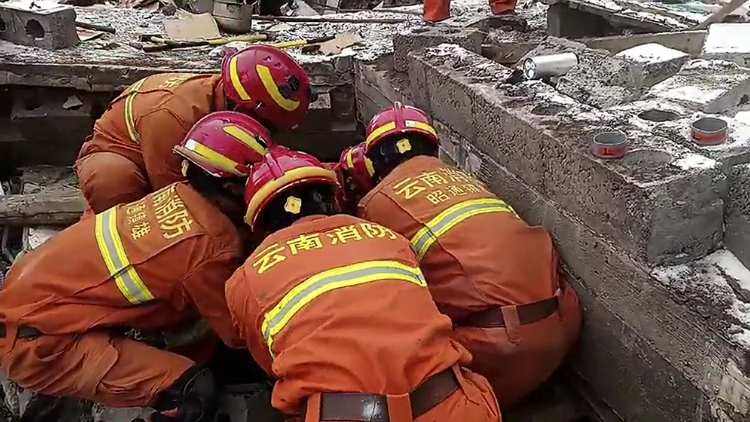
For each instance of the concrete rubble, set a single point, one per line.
(657, 243)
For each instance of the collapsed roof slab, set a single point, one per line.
(662, 203)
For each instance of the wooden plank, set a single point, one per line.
(60, 208)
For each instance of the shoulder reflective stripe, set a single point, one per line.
(351, 275)
(449, 218)
(118, 264)
(129, 118)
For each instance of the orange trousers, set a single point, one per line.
(517, 359)
(474, 402)
(97, 366)
(108, 179)
(440, 10)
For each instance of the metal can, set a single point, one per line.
(709, 131)
(547, 66)
(610, 145)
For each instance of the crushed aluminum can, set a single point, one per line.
(548, 66)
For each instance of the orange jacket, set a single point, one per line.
(170, 253)
(153, 115)
(341, 304)
(475, 252)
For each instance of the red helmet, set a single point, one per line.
(399, 120)
(354, 161)
(281, 170)
(225, 144)
(268, 82)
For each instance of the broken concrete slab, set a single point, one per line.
(377, 85)
(38, 24)
(710, 86)
(419, 38)
(658, 62)
(599, 79)
(690, 42)
(728, 41)
(737, 213)
(661, 203)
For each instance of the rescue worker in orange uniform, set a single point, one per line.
(158, 264)
(496, 277)
(440, 10)
(336, 310)
(130, 154)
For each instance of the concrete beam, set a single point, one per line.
(644, 349)
(49, 27)
(728, 41)
(420, 38)
(662, 203)
(737, 215)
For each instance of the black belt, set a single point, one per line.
(527, 314)
(23, 332)
(374, 407)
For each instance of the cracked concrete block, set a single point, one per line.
(672, 121)
(728, 41)
(419, 38)
(658, 62)
(662, 203)
(737, 213)
(713, 86)
(51, 27)
(599, 79)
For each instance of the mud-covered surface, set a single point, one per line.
(114, 49)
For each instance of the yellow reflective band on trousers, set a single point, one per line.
(129, 118)
(449, 218)
(351, 275)
(118, 264)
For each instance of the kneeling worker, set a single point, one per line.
(336, 309)
(129, 153)
(151, 265)
(496, 277)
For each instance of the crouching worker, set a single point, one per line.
(129, 153)
(150, 265)
(335, 309)
(496, 277)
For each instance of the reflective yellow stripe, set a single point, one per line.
(246, 138)
(118, 264)
(214, 158)
(380, 131)
(234, 76)
(422, 126)
(449, 218)
(349, 160)
(129, 118)
(351, 275)
(370, 168)
(265, 76)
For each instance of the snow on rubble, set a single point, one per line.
(718, 288)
